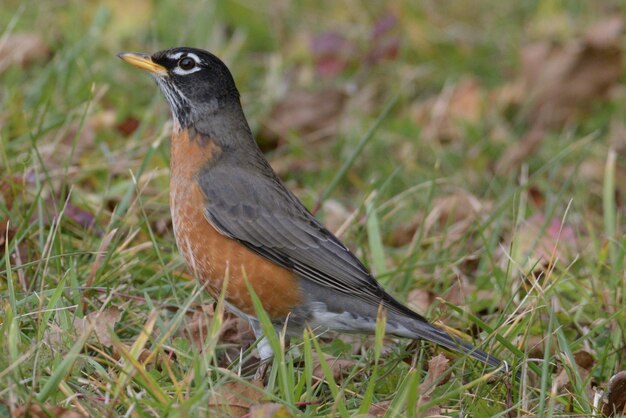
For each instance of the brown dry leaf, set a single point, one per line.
(235, 330)
(536, 346)
(420, 300)
(455, 208)
(458, 291)
(235, 334)
(384, 40)
(561, 80)
(128, 126)
(593, 171)
(584, 363)
(519, 152)
(437, 367)
(438, 374)
(456, 212)
(290, 165)
(535, 249)
(332, 53)
(444, 117)
(615, 402)
(82, 217)
(334, 214)
(45, 411)
(339, 367)
(312, 116)
(195, 326)
(403, 234)
(235, 398)
(10, 187)
(270, 410)
(102, 322)
(379, 409)
(22, 49)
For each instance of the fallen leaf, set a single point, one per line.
(332, 52)
(53, 334)
(379, 409)
(312, 116)
(615, 402)
(235, 398)
(292, 165)
(584, 363)
(437, 368)
(403, 234)
(557, 243)
(270, 410)
(340, 368)
(334, 214)
(22, 49)
(384, 40)
(102, 321)
(520, 151)
(420, 300)
(10, 187)
(128, 126)
(593, 171)
(536, 196)
(536, 346)
(456, 212)
(444, 117)
(438, 374)
(235, 334)
(44, 411)
(458, 291)
(560, 81)
(82, 217)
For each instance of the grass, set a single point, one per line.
(89, 228)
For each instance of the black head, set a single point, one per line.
(195, 82)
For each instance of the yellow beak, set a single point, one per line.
(143, 61)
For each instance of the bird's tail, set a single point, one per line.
(439, 336)
(415, 326)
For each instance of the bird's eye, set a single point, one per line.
(186, 63)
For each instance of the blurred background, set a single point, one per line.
(472, 151)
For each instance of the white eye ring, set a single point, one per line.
(181, 71)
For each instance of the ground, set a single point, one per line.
(470, 153)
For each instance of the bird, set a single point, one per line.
(237, 224)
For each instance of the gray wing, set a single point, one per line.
(262, 214)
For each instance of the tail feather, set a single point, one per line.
(437, 335)
(419, 328)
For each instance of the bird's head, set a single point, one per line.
(195, 82)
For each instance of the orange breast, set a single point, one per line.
(211, 256)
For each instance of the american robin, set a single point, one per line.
(234, 217)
